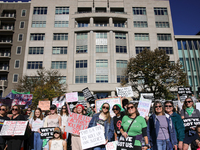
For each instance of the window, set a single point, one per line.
(140, 49)
(140, 24)
(34, 64)
(101, 35)
(120, 36)
(162, 24)
(195, 44)
(122, 25)
(17, 63)
(22, 24)
(164, 37)
(83, 25)
(61, 24)
(101, 63)
(121, 63)
(119, 78)
(62, 80)
(101, 48)
(18, 50)
(62, 10)
(81, 49)
(36, 50)
(101, 78)
(81, 79)
(20, 37)
(160, 11)
(15, 78)
(40, 10)
(190, 44)
(141, 36)
(38, 24)
(81, 64)
(139, 11)
(169, 50)
(58, 65)
(81, 36)
(59, 50)
(179, 45)
(37, 37)
(121, 49)
(23, 13)
(60, 36)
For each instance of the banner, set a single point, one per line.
(46, 133)
(76, 123)
(111, 145)
(191, 122)
(7, 102)
(13, 128)
(92, 137)
(110, 101)
(59, 102)
(124, 91)
(183, 90)
(144, 106)
(87, 94)
(44, 105)
(71, 97)
(22, 99)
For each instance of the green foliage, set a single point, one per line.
(151, 71)
(44, 85)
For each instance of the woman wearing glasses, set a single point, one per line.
(160, 130)
(187, 112)
(137, 126)
(177, 121)
(104, 119)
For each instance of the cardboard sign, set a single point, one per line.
(59, 102)
(13, 128)
(92, 137)
(191, 122)
(71, 97)
(183, 90)
(111, 145)
(46, 133)
(87, 94)
(144, 107)
(124, 91)
(22, 99)
(110, 101)
(126, 143)
(44, 105)
(76, 123)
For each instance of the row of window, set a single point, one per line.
(142, 11)
(56, 36)
(144, 24)
(43, 10)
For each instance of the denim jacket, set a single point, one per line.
(153, 129)
(109, 127)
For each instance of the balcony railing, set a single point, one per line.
(3, 83)
(4, 68)
(7, 28)
(81, 12)
(101, 24)
(5, 41)
(4, 54)
(8, 15)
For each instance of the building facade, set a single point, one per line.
(14, 19)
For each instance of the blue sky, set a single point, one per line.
(185, 16)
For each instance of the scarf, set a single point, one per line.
(189, 110)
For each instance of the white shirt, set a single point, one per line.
(36, 124)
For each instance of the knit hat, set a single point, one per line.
(102, 106)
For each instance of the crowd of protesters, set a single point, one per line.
(163, 129)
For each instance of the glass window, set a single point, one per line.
(59, 50)
(190, 44)
(36, 50)
(62, 80)
(101, 35)
(38, 24)
(18, 50)
(37, 37)
(60, 36)
(179, 45)
(101, 78)
(34, 65)
(120, 36)
(22, 23)
(193, 65)
(164, 37)
(188, 64)
(140, 24)
(81, 64)
(162, 24)
(81, 79)
(121, 49)
(121, 63)
(169, 50)
(23, 13)
(142, 36)
(62, 10)
(81, 49)
(119, 24)
(15, 78)
(119, 78)
(182, 62)
(139, 11)
(160, 11)
(20, 37)
(82, 25)
(61, 24)
(102, 63)
(184, 45)
(101, 48)
(139, 49)
(195, 44)
(17, 63)
(58, 65)
(81, 36)
(40, 10)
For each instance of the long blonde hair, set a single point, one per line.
(108, 117)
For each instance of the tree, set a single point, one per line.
(152, 71)
(46, 84)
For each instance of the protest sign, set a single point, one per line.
(87, 94)
(144, 107)
(13, 128)
(191, 122)
(126, 143)
(46, 133)
(183, 97)
(92, 137)
(198, 106)
(124, 91)
(76, 123)
(71, 97)
(22, 99)
(59, 102)
(111, 145)
(82, 102)
(5, 101)
(44, 105)
(184, 90)
(110, 101)
(147, 96)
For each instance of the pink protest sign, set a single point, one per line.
(76, 123)
(71, 97)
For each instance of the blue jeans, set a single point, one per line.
(37, 141)
(101, 147)
(162, 144)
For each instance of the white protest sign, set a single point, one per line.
(71, 97)
(111, 145)
(124, 91)
(198, 106)
(59, 102)
(92, 137)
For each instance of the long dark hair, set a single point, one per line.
(61, 112)
(136, 110)
(41, 115)
(108, 117)
(184, 105)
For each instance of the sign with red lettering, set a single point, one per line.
(111, 145)
(76, 123)
(22, 99)
(13, 128)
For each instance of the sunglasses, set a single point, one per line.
(28, 110)
(15, 109)
(115, 109)
(2, 109)
(131, 107)
(63, 108)
(168, 106)
(104, 107)
(52, 109)
(188, 102)
(56, 132)
(158, 106)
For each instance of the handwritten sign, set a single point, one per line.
(110, 101)
(111, 145)
(13, 128)
(76, 123)
(198, 106)
(71, 97)
(59, 102)
(191, 122)
(44, 105)
(126, 143)
(87, 94)
(124, 91)
(144, 107)
(46, 133)
(22, 99)
(183, 90)
(92, 137)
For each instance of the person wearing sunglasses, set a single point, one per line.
(160, 129)
(3, 117)
(189, 111)
(104, 119)
(135, 125)
(177, 121)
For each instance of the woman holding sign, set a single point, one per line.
(104, 119)
(189, 112)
